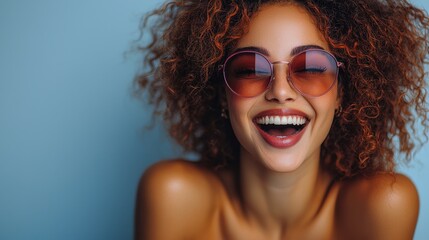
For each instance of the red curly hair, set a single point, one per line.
(383, 44)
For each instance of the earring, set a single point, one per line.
(224, 114)
(338, 111)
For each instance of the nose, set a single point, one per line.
(280, 89)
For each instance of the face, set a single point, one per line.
(281, 128)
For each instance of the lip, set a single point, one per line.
(284, 141)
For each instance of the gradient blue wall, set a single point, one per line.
(72, 138)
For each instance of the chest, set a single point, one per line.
(232, 222)
(229, 224)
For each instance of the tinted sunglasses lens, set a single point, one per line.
(313, 72)
(247, 74)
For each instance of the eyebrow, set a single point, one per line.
(299, 49)
(293, 52)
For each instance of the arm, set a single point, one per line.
(174, 201)
(379, 207)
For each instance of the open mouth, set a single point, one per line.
(281, 126)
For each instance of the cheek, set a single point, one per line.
(239, 112)
(325, 111)
(324, 106)
(327, 103)
(237, 109)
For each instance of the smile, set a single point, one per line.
(281, 128)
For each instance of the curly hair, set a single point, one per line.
(383, 44)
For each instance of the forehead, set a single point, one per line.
(281, 27)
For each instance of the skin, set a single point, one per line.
(277, 193)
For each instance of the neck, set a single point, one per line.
(278, 200)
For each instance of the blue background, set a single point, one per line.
(72, 138)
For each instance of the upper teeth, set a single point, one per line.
(281, 120)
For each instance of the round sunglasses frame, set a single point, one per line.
(289, 79)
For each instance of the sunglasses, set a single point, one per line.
(312, 72)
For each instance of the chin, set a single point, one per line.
(283, 164)
(279, 160)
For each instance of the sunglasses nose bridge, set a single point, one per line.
(286, 70)
(280, 87)
(280, 62)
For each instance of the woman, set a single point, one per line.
(298, 111)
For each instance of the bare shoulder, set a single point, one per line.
(177, 195)
(383, 206)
